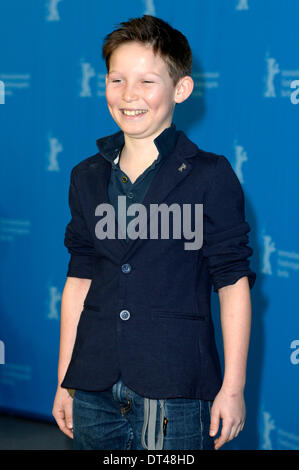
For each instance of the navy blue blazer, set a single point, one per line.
(147, 316)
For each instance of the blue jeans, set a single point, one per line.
(114, 419)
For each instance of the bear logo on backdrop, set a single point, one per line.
(52, 10)
(149, 8)
(286, 261)
(87, 72)
(240, 157)
(2, 351)
(242, 5)
(55, 147)
(53, 307)
(2, 92)
(269, 247)
(272, 71)
(274, 437)
(268, 426)
(274, 88)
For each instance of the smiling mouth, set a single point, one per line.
(133, 112)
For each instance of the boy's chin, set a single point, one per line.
(131, 129)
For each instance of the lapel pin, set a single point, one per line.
(182, 167)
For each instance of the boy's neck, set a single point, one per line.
(139, 151)
(142, 151)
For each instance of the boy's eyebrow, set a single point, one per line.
(144, 73)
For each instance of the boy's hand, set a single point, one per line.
(63, 411)
(230, 407)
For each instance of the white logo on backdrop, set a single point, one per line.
(288, 260)
(275, 438)
(13, 374)
(149, 8)
(242, 5)
(10, 228)
(55, 297)
(268, 426)
(55, 148)
(272, 71)
(52, 7)
(2, 92)
(2, 352)
(87, 73)
(12, 82)
(241, 157)
(204, 81)
(269, 247)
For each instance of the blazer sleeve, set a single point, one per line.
(77, 238)
(225, 239)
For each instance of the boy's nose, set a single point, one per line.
(129, 93)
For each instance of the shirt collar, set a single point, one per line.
(111, 145)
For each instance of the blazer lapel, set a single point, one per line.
(102, 197)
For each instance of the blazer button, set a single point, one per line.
(126, 268)
(124, 315)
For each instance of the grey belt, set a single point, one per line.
(149, 424)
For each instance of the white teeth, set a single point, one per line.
(134, 113)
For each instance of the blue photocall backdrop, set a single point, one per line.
(53, 108)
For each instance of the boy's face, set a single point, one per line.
(139, 80)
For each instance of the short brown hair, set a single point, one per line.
(170, 43)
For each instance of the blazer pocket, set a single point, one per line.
(156, 314)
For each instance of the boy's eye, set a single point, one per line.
(118, 80)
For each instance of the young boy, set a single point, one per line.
(137, 340)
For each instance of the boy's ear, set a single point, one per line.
(184, 89)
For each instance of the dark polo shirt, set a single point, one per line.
(120, 184)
